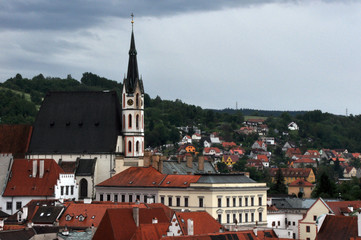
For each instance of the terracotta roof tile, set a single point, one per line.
(300, 183)
(343, 206)
(15, 139)
(22, 183)
(338, 227)
(203, 223)
(291, 172)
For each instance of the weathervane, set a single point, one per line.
(132, 15)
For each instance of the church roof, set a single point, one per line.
(77, 122)
(130, 83)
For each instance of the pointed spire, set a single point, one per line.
(133, 75)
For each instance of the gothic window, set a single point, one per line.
(137, 100)
(123, 121)
(137, 121)
(137, 147)
(130, 120)
(129, 146)
(83, 188)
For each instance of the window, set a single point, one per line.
(314, 217)
(62, 190)
(240, 202)
(162, 200)
(200, 202)
(246, 217)
(67, 190)
(260, 217)
(137, 147)
(252, 201)
(246, 201)
(294, 223)
(137, 121)
(178, 201)
(108, 197)
(129, 146)
(308, 229)
(219, 218)
(115, 197)
(240, 217)
(308, 238)
(123, 198)
(68, 217)
(228, 218)
(129, 121)
(219, 202)
(279, 223)
(18, 205)
(101, 197)
(234, 202)
(130, 198)
(234, 218)
(145, 198)
(186, 202)
(72, 190)
(170, 201)
(137, 100)
(252, 217)
(259, 201)
(227, 202)
(138, 198)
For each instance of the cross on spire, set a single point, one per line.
(132, 15)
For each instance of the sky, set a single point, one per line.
(259, 54)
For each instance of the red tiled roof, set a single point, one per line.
(262, 157)
(22, 183)
(150, 231)
(119, 223)
(203, 223)
(15, 139)
(305, 160)
(300, 183)
(339, 159)
(148, 177)
(229, 144)
(338, 227)
(343, 206)
(208, 149)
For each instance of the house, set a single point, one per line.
(132, 223)
(300, 188)
(36, 179)
(304, 162)
(349, 172)
(237, 150)
(259, 145)
(212, 151)
(228, 145)
(186, 148)
(192, 223)
(288, 145)
(246, 130)
(292, 174)
(214, 138)
(268, 140)
(186, 140)
(225, 197)
(256, 163)
(339, 227)
(230, 159)
(264, 159)
(292, 126)
(313, 153)
(292, 151)
(254, 122)
(196, 137)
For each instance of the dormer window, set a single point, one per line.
(68, 217)
(81, 218)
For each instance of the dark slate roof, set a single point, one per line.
(225, 178)
(293, 203)
(24, 234)
(172, 167)
(47, 214)
(77, 122)
(85, 167)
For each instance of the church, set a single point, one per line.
(93, 134)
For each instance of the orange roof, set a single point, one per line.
(339, 159)
(208, 149)
(291, 172)
(22, 183)
(119, 223)
(300, 183)
(343, 206)
(229, 144)
(203, 223)
(148, 177)
(15, 139)
(305, 160)
(262, 157)
(338, 227)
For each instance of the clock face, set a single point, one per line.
(130, 102)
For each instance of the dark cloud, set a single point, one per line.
(75, 14)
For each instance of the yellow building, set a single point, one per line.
(293, 174)
(300, 188)
(229, 198)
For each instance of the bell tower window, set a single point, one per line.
(130, 121)
(129, 146)
(137, 100)
(137, 121)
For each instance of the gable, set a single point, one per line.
(77, 122)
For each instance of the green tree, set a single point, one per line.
(222, 167)
(325, 187)
(279, 185)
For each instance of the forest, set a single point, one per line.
(22, 97)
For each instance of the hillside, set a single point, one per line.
(21, 97)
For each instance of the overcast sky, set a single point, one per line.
(260, 54)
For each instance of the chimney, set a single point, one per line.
(155, 160)
(359, 224)
(41, 168)
(190, 227)
(201, 163)
(255, 231)
(35, 167)
(146, 160)
(190, 161)
(154, 220)
(160, 164)
(136, 215)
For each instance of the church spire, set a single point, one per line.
(133, 75)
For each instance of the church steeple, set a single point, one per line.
(133, 76)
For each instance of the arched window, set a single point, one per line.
(83, 188)
(137, 147)
(137, 100)
(137, 121)
(129, 146)
(130, 121)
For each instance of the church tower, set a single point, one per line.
(133, 107)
